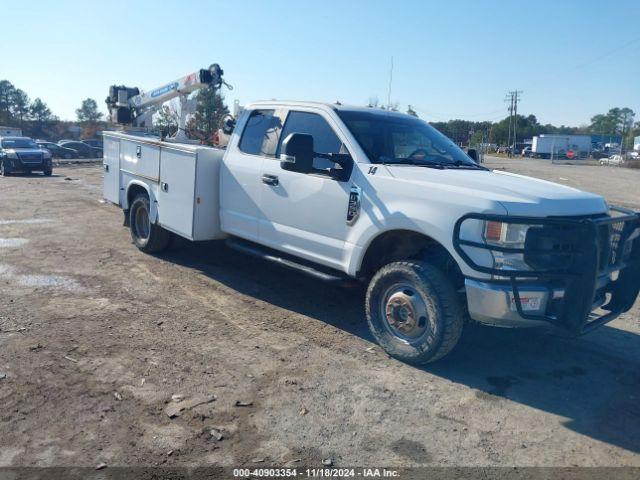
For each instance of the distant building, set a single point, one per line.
(10, 131)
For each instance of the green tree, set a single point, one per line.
(19, 106)
(6, 94)
(411, 111)
(40, 114)
(210, 110)
(88, 112)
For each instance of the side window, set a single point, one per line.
(324, 138)
(261, 133)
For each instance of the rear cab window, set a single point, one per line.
(261, 133)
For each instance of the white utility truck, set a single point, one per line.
(348, 193)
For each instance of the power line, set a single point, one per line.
(540, 82)
(455, 116)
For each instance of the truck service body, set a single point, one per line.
(307, 184)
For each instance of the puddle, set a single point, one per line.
(12, 242)
(47, 281)
(28, 221)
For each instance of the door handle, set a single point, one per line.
(270, 180)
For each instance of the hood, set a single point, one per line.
(520, 195)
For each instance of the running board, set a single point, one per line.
(266, 254)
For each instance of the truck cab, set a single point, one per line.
(385, 199)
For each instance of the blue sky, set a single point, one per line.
(452, 59)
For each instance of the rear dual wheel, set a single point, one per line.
(147, 236)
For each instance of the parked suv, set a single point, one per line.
(56, 150)
(22, 154)
(84, 150)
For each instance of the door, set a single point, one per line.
(306, 214)
(242, 169)
(177, 190)
(111, 165)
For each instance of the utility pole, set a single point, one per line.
(512, 98)
(390, 81)
(515, 119)
(509, 98)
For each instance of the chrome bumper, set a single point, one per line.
(494, 304)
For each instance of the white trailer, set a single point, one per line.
(636, 144)
(548, 146)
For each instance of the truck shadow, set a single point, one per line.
(592, 382)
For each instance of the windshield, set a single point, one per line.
(19, 143)
(398, 139)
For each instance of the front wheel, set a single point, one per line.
(414, 312)
(147, 236)
(3, 169)
(48, 172)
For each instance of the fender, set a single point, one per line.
(153, 202)
(359, 251)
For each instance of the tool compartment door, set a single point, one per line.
(111, 166)
(177, 191)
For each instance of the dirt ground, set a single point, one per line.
(96, 338)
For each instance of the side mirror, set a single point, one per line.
(298, 153)
(473, 153)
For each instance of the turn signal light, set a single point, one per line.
(493, 231)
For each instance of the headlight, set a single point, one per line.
(511, 235)
(505, 234)
(13, 155)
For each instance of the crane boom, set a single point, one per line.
(131, 106)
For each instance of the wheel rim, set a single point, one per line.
(404, 313)
(142, 223)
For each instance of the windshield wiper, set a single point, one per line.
(410, 163)
(464, 165)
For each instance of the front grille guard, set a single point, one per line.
(604, 245)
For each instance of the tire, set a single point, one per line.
(47, 173)
(414, 293)
(3, 170)
(147, 236)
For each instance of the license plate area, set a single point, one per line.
(529, 302)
